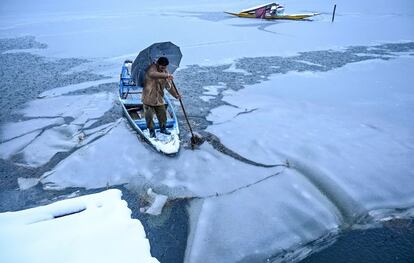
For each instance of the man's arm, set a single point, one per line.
(172, 90)
(153, 73)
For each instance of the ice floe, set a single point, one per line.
(89, 228)
(46, 133)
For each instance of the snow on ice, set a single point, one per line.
(91, 228)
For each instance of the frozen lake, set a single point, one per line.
(308, 125)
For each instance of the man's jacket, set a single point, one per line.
(154, 84)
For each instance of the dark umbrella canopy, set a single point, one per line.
(150, 55)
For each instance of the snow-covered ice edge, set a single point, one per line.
(91, 228)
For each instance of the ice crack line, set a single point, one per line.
(246, 111)
(41, 130)
(216, 143)
(217, 195)
(241, 187)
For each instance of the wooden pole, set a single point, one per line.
(333, 14)
(186, 117)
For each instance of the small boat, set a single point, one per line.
(130, 98)
(270, 11)
(269, 17)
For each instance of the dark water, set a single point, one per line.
(24, 76)
(394, 242)
(167, 232)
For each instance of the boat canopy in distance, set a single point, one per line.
(270, 9)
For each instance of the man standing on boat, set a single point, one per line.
(156, 79)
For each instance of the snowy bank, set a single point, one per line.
(92, 228)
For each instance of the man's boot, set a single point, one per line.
(152, 133)
(165, 131)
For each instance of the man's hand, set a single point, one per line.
(170, 77)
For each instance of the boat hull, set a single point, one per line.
(275, 17)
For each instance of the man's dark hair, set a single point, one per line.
(163, 61)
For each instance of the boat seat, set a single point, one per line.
(130, 88)
(135, 107)
(131, 102)
(134, 92)
(128, 82)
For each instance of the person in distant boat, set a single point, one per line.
(156, 79)
(272, 9)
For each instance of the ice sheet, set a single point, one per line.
(212, 90)
(50, 135)
(90, 228)
(348, 131)
(80, 107)
(353, 122)
(19, 128)
(10, 148)
(26, 183)
(70, 88)
(202, 172)
(268, 218)
(50, 142)
(79, 29)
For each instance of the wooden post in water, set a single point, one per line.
(333, 14)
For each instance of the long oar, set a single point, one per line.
(193, 138)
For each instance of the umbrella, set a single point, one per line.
(150, 55)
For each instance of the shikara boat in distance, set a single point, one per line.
(270, 11)
(130, 98)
